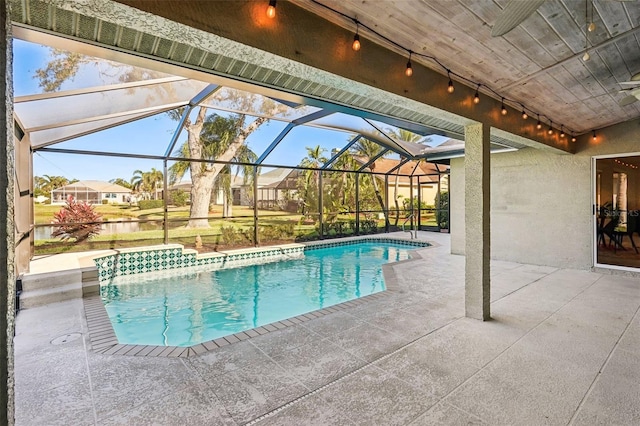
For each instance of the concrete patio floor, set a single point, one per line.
(563, 348)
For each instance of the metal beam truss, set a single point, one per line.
(386, 144)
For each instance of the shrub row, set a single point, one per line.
(150, 204)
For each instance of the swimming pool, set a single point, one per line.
(196, 307)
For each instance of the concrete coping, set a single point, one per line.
(88, 261)
(261, 249)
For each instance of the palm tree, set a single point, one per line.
(46, 184)
(55, 182)
(310, 180)
(39, 186)
(147, 182)
(140, 183)
(121, 182)
(156, 178)
(368, 149)
(340, 194)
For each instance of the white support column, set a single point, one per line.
(476, 219)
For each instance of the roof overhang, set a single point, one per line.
(119, 32)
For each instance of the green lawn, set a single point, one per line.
(239, 229)
(274, 227)
(43, 213)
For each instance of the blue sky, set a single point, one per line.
(146, 136)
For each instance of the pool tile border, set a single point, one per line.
(103, 339)
(175, 257)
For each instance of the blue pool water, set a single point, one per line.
(198, 307)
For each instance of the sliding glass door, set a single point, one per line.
(617, 211)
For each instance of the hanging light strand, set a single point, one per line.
(622, 163)
(586, 55)
(409, 68)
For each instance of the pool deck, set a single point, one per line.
(563, 347)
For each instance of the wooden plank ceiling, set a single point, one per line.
(538, 64)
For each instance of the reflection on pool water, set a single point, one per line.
(198, 307)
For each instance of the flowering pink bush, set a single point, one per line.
(76, 220)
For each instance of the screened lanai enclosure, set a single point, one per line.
(212, 166)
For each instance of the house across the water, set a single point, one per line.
(92, 191)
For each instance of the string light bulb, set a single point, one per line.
(524, 114)
(356, 39)
(573, 137)
(356, 42)
(409, 71)
(594, 136)
(539, 124)
(271, 10)
(550, 131)
(450, 87)
(562, 135)
(592, 26)
(476, 97)
(503, 110)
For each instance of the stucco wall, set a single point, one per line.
(7, 226)
(428, 193)
(541, 203)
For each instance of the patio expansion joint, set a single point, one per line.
(481, 369)
(409, 344)
(89, 378)
(343, 377)
(602, 367)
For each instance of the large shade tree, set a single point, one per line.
(64, 66)
(207, 134)
(217, 135)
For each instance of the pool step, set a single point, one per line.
(33, 282)
(45, 296)
(42, 289)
